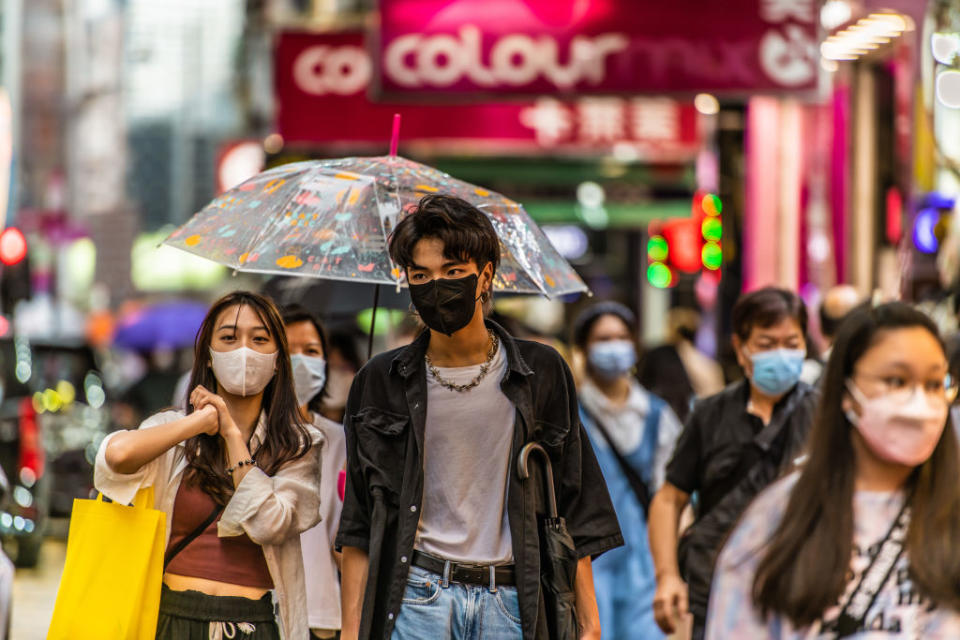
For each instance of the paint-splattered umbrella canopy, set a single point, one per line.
(332, 218)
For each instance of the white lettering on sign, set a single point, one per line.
(603, 121)
(790, 56)
(654, 119)
(550, 120)
(322, 69)
(441, 60)
(783, 10)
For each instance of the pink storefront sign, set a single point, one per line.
(323, 84)
(462, 47)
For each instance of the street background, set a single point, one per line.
(675, 154)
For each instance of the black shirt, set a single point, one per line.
(385, 421)
(727, 456)
(714, 450)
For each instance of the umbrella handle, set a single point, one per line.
(524, 472)
(395, 135)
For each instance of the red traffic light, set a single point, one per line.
(13, 246)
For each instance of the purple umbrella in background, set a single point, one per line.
(166, 324)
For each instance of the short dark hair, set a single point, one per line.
(294, 314)
(583, 325)
(467, 234)
(765, 308)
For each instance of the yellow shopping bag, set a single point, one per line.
(110, 588)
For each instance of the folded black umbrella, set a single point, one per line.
(558, 556)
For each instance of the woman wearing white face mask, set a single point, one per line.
(633, 433)
(308, 348)
(862, 541)
(237, 474)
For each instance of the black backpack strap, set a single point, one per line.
(193, 535)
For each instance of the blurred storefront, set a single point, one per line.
(677, 153)
(586, 114)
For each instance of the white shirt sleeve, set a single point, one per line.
(667, 435)
(122, 487)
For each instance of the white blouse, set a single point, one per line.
(271, 510)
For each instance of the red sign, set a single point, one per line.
(322, 85)
(597, 46)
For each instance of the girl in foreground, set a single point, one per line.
(861, 542)
(237, 474)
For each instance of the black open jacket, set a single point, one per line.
(385, 420)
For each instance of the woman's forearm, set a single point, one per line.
(237, 452)
(128, 451)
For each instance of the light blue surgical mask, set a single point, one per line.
(309, 376)
(612, 358)
(776, 372)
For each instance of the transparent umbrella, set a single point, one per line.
(332, 218)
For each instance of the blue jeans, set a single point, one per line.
(457, 611)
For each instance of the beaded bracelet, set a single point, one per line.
(251, 462)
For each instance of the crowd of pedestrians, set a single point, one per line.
(809, 499)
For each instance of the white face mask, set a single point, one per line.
(899, 430)
(309, 376)
(243, 371)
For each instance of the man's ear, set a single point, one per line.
(486, 278)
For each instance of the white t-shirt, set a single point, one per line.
(626, 425)
(319, 566)
(466, 466)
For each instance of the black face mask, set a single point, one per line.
(446, 304)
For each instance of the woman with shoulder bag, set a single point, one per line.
(237, 474)
(633, 433)
(861, 542)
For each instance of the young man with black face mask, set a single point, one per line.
(439, 534)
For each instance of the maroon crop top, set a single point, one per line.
(234, 560)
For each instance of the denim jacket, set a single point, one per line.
(385, 421)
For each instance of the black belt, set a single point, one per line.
(467, 573)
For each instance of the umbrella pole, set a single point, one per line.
(373, 320)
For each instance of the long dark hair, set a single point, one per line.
(286, 437)
(294, 314)
(804, 568)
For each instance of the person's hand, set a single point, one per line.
(209, 420)
(202, 398)
(670, 602)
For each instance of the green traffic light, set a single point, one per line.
(659, 275)
(657, 249)
(712, 256)
(712, 229)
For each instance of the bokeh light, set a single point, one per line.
(659, 275)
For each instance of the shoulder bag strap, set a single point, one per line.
(858, 605)
(193, 535)
(636, 482)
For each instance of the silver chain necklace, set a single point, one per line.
(484, 369)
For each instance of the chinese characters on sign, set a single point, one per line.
(323, 82)
(597, 121)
